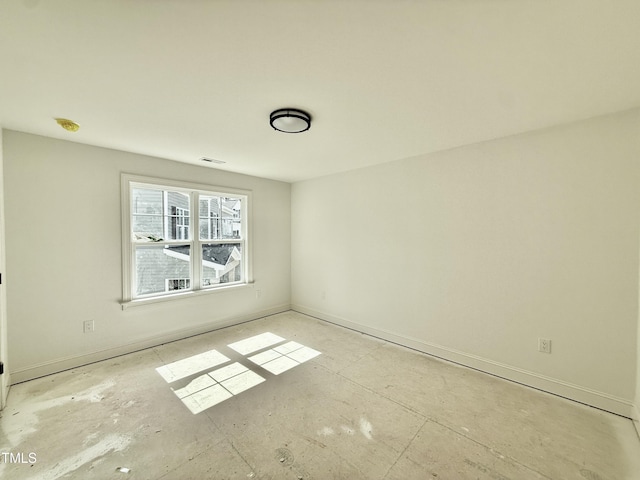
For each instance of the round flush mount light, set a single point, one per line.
(290, 120)
(67, 124)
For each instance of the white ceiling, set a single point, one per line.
(383, 80)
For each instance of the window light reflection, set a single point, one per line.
(220, 384)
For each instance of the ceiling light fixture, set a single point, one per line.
(290, 120)
(67, 124)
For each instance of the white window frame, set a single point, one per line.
(194, 190)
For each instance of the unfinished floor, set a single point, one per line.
(335, 404)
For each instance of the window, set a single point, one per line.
(180, 223)
(177, 284)
(181, 238)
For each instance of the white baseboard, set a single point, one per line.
(61, 364)
(577, 393)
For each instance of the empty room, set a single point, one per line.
(320, 239)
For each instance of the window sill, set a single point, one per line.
(182, 295)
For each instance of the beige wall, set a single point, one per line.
(64, 255)
(474, 253)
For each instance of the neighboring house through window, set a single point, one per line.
(165, 254)
(177, 284)
(180, 223)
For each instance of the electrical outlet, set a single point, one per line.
(323, 295)
(544, 345)
(88, 326)
(258, 293)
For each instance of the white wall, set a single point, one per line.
(637, 401)
(64, 255)
(6, 378)
(473, 253)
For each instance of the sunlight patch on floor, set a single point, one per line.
(211, 388)
(284, 357)
(191, 365)
(255, 343)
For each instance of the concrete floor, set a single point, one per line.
(342, 406)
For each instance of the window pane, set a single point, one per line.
(162, 269)
(147, 228)
(178, 216)
(159, 215)
(220, 217)
(205, 229)
(231, 210)
(221, 264)
(146, 202)
(146, 222)
(209, 217)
